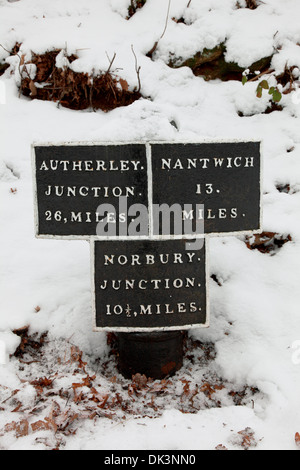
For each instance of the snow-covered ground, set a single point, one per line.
(46, 285)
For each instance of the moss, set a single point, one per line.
(211, 64)
(204, 57)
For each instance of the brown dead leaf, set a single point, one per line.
(104, 401)
(266, 242)
(123, 84)
(21, 428)
(160, 386)
(76, 385)
(10, 426)
(152, 403)
(186, 386)
(297, 440)
(32, 88)
(17, 409)
(98, 398)
(76, 356)
(87, 381)
(40, 426)
(140, 380)
(247, 438)
(42, 382)
(210, 389)
(54, 413)
(88, 414)
(51, 424)
(139, 383)
(78, 396)
(65, 419)
(14, 392)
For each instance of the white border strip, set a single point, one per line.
(34, 184)
(150, 189)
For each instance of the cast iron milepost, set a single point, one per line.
(148, 210)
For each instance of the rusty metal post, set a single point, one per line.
(156, 355)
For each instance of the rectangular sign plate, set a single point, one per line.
(147, 285)
(215, 184)
(72, 181)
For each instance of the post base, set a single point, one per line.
(156, 355)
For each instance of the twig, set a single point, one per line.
(111, 62)
(5, 49)
(91, 97)
(19, 67)
(167, 18)
(261, 74)
(20, 58)
(151, 52)
(137, 69)
(189, 3)
(112, 87)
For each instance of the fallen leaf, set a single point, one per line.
(64, 420)
(210, 389)
(32, 88)
(124, 84)
(247, 438)
(140, 380)
(40, 426)
(10, 426)
(22, 428)
(186, 387)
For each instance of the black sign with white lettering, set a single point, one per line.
(214, 186)
(150, 189)
(152, 197)
(144, 285)
(79, 188)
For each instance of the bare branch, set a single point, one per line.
(137, 69)
(151, 52)
(21, 62)
(266, 72)
(167, 18)
(111, 62)
(5, 49)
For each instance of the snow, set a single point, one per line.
(46, 285)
